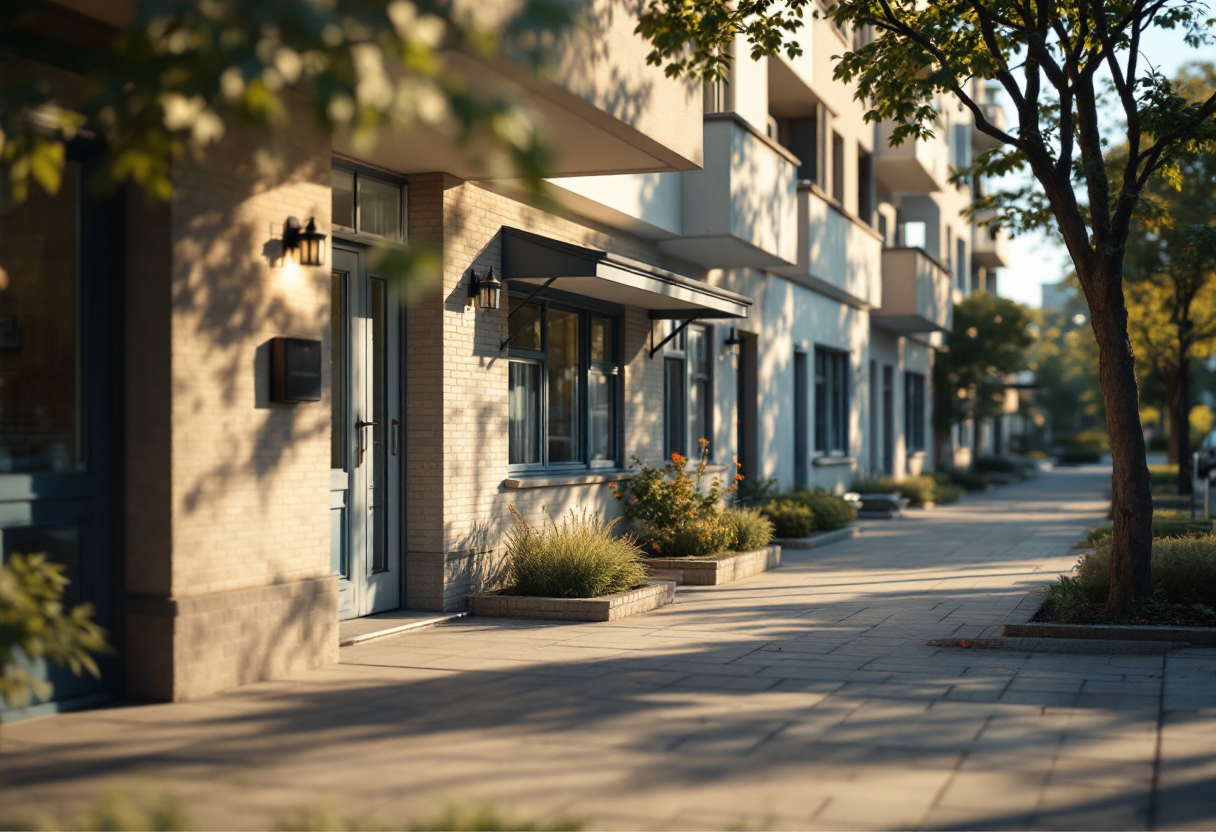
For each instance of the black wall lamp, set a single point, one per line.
(485, 289)
(732, 342)
(308, 243)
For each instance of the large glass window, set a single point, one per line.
(914, 411)
(40, 367)
(564, 387)
(368, 203)
(687, 391)
(831, 401)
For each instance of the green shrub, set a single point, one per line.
(1184, 572)
(969, 481)
(873, 485)
(948, 493)
(677, 517)
(790, 518)
(749, 528)
(578, 558)
(831, 512)
(918, 490)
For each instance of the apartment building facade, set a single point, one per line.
(747, 262)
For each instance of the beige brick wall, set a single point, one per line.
(244, 482)
(457, 420)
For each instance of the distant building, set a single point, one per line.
(1056, 295)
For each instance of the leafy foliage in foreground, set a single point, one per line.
(577, 558)
(183, 73)
(34, 625)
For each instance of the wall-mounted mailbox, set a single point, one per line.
(295, 370)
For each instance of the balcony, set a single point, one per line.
(605, 111)
(739, 210)
(989, 246)
(921, 167)
(916, 293)
(995, 116)
(837, 255)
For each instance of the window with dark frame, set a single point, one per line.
(364, 202)
(563, 387)
(831, 401)
(914, 411)
(687, 391)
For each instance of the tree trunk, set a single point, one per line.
(1169, 414)
(976, 427)
(1131, 495)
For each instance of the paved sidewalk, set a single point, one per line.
(803, 698)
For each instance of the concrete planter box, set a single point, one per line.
(714, 571)
(818, 539)
(653, 595)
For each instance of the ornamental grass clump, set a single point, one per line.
(577, 558)
(676, 515)
(749, 528)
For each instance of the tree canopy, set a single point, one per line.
(990, 340)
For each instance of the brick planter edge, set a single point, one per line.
(712, 572)
(645, 598)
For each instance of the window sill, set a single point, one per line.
(581, 478)
(826, 461)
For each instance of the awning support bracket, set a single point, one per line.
(695, 316)
(506, 342)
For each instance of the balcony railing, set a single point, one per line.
(837, 255)
(916, 293)
(739, 210)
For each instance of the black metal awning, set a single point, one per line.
(531, 259)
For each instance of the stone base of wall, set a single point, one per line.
(711, 572)
(183, 648)
(443, 581)
(607, 608)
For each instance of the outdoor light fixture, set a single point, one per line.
(732, 342)
(308, 244)
(485, 289)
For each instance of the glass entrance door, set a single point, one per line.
(366, 450)
(58, 302)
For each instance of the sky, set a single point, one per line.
(1039, 258)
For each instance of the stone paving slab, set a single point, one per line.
(805, 698)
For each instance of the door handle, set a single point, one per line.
(359, 426)
(394, 426)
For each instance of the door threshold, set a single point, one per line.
(359, 630)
